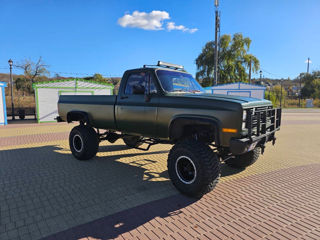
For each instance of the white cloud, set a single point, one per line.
(151, 21)
(147, 21)
(172, 26)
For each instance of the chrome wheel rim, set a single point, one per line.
(186, 170)
(77, 143)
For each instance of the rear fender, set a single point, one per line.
(80, 116)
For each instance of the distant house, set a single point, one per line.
(47, 94)
(238, 89)
(3, 107)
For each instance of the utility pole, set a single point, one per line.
(217, 29)
(250, 71)
(308, 61)
(11, 83)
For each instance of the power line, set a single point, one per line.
(276, 75)
(81, 74)
(73, 73)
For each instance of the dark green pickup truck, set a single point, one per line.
(164, 104)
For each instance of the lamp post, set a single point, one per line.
(11, 83)
(260, 76)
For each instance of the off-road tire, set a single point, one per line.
(244, 160)
(207, 166)
(83, 142)
(132, 141)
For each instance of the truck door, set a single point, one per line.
(135, 115)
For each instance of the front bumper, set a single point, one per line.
(262, 125)
(243, 145)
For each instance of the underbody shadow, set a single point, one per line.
(227, 170)
(111, 148)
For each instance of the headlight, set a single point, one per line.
(244, 115)
(244, 119)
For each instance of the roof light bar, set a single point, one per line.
(170, 65)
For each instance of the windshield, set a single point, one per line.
(178, 82)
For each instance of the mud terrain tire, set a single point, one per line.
(193, 167)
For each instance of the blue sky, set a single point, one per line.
(86, 36)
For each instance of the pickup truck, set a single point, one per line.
(164, 104)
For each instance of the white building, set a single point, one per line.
(238, 89)
(47, 94)
(3, 107)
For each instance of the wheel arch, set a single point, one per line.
(179, 123)
(82, 117)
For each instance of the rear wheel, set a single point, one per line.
(244, 160)
(84, 142)
(132, 141)
(193, 167)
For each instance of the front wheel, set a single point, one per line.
(84, 142)
(193, 167)
(244, 160)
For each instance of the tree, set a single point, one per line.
(233, 60)
(33, 71)
(98, 77)
(23, 85)
(311, 86)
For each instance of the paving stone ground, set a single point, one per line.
(125, 193)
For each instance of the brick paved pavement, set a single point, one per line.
(44, 190)
(276, 205)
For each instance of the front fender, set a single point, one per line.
(178, 123)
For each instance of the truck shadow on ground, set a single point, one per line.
(111, 148)
(88, 190)
(227, 171)
(122, 222)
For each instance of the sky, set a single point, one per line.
(83, 37)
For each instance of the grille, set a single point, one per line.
(261, 120)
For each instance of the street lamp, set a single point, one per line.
(11, 83)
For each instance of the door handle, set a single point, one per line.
(124, 97)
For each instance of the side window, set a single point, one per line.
(136, 84)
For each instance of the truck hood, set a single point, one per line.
(246, 102)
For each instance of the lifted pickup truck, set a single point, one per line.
(164, 104)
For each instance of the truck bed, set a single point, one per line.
(100, 108)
